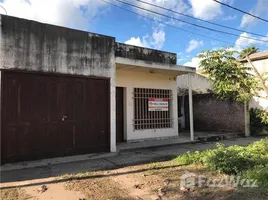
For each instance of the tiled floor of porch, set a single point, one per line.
(184, 138)
(186, 134)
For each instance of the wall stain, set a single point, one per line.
(145, 54)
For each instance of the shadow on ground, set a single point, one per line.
(88, 175)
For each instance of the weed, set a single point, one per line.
(251, 161)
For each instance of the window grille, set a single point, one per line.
(145, 119)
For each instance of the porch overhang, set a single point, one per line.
(152, 67)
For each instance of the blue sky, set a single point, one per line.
(97, 16)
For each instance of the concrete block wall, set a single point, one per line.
(32, 46)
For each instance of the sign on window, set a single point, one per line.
(158, 104)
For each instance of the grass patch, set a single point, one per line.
(249, 161)
(259, 173)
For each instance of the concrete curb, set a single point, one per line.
(54, 161)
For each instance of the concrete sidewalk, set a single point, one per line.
(15, 177)
(122, 147)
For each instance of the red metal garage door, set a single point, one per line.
(47, 115)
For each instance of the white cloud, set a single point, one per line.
(229, 18)
(156, 40)
(59, 12)
(194, 44)
(259, 10)
(136, 42)
(205, 9)
(194, 62)
(176, 5)
(242, 42)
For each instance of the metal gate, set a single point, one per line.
(46, 115)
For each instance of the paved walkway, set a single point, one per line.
(31, 175)
(151, 144)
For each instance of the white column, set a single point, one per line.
(174, 109)
(113, 119)
(129, 109)
(113, 109)
(191, 106)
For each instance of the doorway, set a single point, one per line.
(119, 114)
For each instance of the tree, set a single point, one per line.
(230, 79)
(244, 54)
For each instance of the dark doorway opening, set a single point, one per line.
(119, 114)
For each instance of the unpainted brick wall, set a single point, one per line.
(212, 114)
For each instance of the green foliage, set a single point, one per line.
(260, 114)
(258, 120)
(259, 173)
(247, 51)
(231, 160)
(230, 79)
(259, 152)
(190, 158)
(259, 148)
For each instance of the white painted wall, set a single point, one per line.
(262, 67)
(133, 79)
(258, 102)
(200, 83)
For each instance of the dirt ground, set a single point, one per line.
(141, 182)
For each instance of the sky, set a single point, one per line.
(99, 17)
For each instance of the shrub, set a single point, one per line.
(231, 160)
(258, 120)
(259, 147)
(259, 173)
(190, 158)
(228, 160)
(259, 151)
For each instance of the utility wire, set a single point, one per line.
(185, 15)
(203, 27)
(161, 22)
(237, 9)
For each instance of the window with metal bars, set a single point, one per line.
(145, 118)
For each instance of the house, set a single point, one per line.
(260, 62)
(67, 92)
(212, 114)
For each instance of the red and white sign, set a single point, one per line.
(158, 104)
